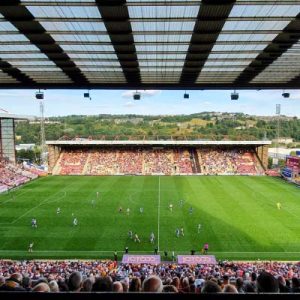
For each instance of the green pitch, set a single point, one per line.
(238, 216)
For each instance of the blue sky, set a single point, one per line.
(66, 102)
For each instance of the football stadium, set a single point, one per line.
(138, 215)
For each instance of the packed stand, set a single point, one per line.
(109, 276)
(12, 175)
(158, 161)
(130, 161)
(34, 169)
(229, 162)
(72, 162)
(183, 161)
(102, 162)
(166, 161)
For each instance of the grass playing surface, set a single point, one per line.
(238, 215)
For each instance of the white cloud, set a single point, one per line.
(294, 95)
(129, 104)
(144, 93)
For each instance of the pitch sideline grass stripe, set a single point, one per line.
(144, 251)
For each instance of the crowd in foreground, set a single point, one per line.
(109, 276)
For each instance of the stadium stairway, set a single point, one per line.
(57, 168)
(86, 166)
(199, 159)
(195, 161)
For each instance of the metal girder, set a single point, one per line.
(9, 14)
(105, 10)
(15, 73)
(121, 46)
(276, 48)
(186, 76)
(166, 86)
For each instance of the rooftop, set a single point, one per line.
(149, 44)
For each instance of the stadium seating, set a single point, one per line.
(229, 162)
(150, 161)
(99, 276)
(72, 162)
(13, 175)
(182, 159)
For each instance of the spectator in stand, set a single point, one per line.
(282, 285)
(41, 287)
(54, 286)
(75, 282)
(117, 287)
(135, 285)
(229, 288)
(152, 284)
(14, 283)
(169, 289)
(295, 285)
(87, 285)
(240, 285)
(267, 283)
(2, 280)
(103, 284)
(211, 287)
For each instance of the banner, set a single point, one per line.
(196, 259)
(141, 259)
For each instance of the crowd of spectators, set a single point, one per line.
(167, 161)
(130, 161)
(229, 161)
(102, 162)
(72, 162)
(12, 175)
(184, 161)
(109, 276)
(158, 161)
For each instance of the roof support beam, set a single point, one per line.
(274, 50)
(119, 10)
(167, 86)
(203, 32)
(206, 11)
(51, 50)
(14, 72)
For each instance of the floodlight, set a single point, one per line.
(39, 95)
(186, 96)
(234, 96)
(285, 95)
(137, 96)
(87, 95)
